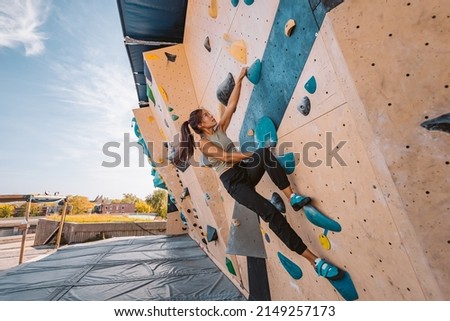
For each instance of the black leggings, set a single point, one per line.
(240, 182)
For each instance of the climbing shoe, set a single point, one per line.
(298, 201)
(327, 270)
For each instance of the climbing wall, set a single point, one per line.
(347, 91)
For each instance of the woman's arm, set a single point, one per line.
(232, 102)
(211, 150)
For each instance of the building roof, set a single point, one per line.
(148, 25)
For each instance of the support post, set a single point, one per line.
(61, 224)
(24, 228)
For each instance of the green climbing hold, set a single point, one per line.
(170, 109)
(311, 85)
(174, 117)
(254, 72)
(293, 269)
(150, 94)
(230, 266)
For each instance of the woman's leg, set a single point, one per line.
(264, 161)
(248, 197)
(235, 182)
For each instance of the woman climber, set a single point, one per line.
(240, 173)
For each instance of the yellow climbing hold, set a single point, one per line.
(151, 119)
(149, 56)
(238, 51)
(212, 9)
(163, 135)
(324, 241)
(289, 27)
(163, 94)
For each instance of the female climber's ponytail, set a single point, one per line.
(185, 149)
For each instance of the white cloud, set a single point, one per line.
(20, 21)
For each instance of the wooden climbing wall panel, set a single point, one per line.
(374, 73)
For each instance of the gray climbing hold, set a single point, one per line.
(439, 123)
(207, 44)
(225, 88)
(171, 57)
(277, 201)
(305, 106)
(211, 233)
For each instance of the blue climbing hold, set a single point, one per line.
(293, 269)
(288, 162)
(319, 219)
(183, 218)
(265, 133)
(254, 72)
(311, 85)
(267, 237)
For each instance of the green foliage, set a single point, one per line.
(158, 202)
(79, 204)
(6, 210)
(130, 199)
(142, 207)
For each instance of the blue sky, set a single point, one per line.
(66, 89)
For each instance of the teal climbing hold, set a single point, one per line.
(293, 269)
(319, 219)
(141, 142)
(183, 218)
(235, 3)
(288, 162)
(311, 85)
(254, 72)
(249, 2)
(265, 133)
(150, 94)
(174, 117)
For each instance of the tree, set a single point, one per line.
(158, 201)
(6, 210)
(142, 207)
(130, 199)
(80, 204)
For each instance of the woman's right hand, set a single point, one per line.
(243, 73)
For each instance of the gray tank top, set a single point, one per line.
(220, 139)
